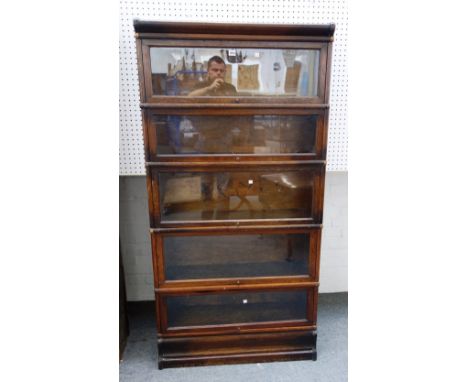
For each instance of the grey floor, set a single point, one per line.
(139, 359)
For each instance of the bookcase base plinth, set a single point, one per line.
(234, 349)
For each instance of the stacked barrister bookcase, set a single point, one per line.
(235, 187)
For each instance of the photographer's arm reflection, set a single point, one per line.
(214, 85)
(214, 139)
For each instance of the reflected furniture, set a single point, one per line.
(235, 187)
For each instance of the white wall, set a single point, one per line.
(135, 238)
(136, 246)
(334, 258)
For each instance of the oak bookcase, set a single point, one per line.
(235, 187)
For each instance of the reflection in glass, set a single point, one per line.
(233, 308)
(242, 72)
(259, 134)
(235, 195)
(200, 257)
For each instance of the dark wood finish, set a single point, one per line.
(156, 245)
(141, 76)
(270, 30)
(187, 103)
(222, 162)
(236, 229)
(237, 37)
(234, 225)
(273, 327)
(227, 285)
(221, 338)
(237, 348)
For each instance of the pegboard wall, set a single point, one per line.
(131, 153)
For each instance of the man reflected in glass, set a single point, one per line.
(215, 84)
(213, 138)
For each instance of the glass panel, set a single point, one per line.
(200, 257)
(236, 308)
(259, 134)
(234, 72)
(235, 195)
